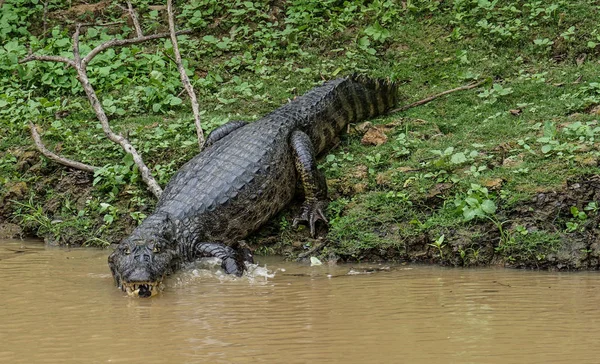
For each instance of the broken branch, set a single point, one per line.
(116, 138)
(123, 42)
(39, 57)
(184, 78)
(52, 156)
(433, 97)
(80, 66)
(134, 18)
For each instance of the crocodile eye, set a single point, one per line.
(156, 249)
(127, 251)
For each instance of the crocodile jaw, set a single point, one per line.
(141, 289)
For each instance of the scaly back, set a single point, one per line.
(324, 111)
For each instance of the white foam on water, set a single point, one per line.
(209, 269)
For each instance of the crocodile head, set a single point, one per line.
(142, 260)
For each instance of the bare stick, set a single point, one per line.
(45, 18)
(76, 54)
(134, 19)
(38, 57)
(431, 98)
(123, 42)
(101, 24)
(184, 78)
(58, 159)
(80, 66)
(117, 138)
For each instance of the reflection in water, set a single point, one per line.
(60, 306)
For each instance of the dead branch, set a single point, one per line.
(134, 18)
(124, 42)
(52, 156)
(184, 78)
(82, 25)
(79, 64)
(45, 18)
(40, 57)
(433, 97)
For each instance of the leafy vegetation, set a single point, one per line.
(454, 182)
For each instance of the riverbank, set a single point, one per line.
(506, 173)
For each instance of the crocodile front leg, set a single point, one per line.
(313, 182)
(222, 131)
(232, 262)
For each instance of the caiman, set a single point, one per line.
(246, 174)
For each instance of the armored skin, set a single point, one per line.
(246, 174)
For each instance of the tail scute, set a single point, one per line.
(375, 95)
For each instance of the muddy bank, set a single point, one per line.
(542, 233)
(535, 235)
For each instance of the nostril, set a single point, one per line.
(142, 255)
(146, 258)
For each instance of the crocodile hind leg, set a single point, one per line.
(313, 182)
(232, 262)
(222, 131)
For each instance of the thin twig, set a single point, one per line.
(123, 42)
(145, 173)
(134, 19)
(45, 18)
(39, 57)
(101, 24)
(52, 156)
(76, 54)
(431, 98)
(184, 78)
(79, 65)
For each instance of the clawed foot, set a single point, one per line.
(233, 265)
(310, 213)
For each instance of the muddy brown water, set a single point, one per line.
(60, 306)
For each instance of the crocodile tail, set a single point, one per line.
(346, 100)
(370, 97)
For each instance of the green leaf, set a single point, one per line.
(175, 101)
(12, 46)
(547, 148)
(458, 158)
(488, 206)
(470, 214)
(472, 201)
(210, 39)
(108, 219)
(104, 71)
(128, 160)
(61, 42)
(92, 32)
(364, 42)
